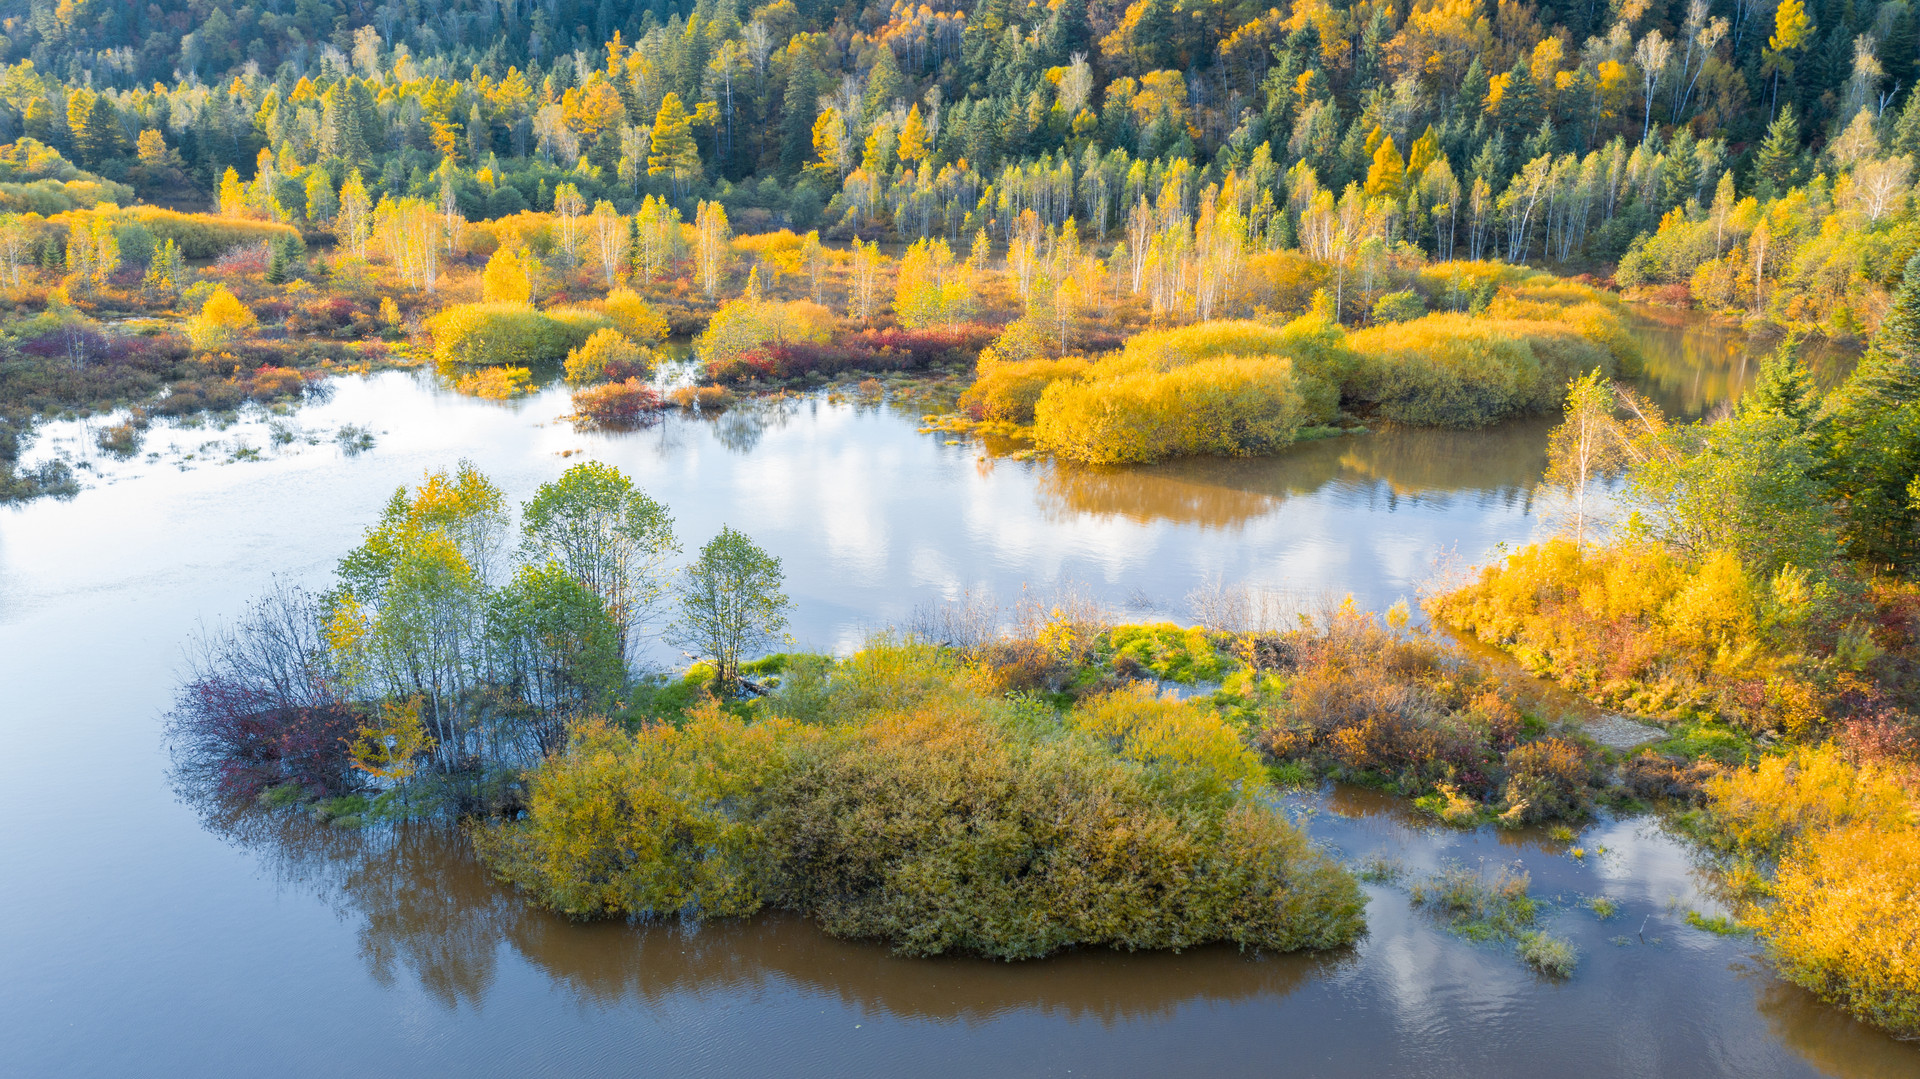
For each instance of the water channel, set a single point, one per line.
(148, 933)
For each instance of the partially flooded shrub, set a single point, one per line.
(1225, 406)
(1548, 954)
(495, 383)
(1546, 780)
(1844, 921)
(617, 404)
(608, 356)
(919, 810)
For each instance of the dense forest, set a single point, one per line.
(1551, 131)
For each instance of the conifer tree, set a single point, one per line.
(1777, 167)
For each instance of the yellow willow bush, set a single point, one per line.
(1007, 392)
(1762, 811)
(1845, 923)
(663, 821)
(1194, 742)
(608, 355)
(1633, 625)
(1841, 916)
(946, 829)
(747, 323)
(1454, 370)
(508, 334)
(913, 807)
(496, 383)
(635, 317)
(222, 320)
(1226, 406)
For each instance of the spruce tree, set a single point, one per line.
(1777, 167)
(1871, 429)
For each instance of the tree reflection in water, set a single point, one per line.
(1502, 463)
(425, 908)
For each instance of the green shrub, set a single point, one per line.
(1399, 306)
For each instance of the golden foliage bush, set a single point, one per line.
(748, 323)
(1007, 392)
(667, 820)
(508, 334)
(495, 383)
(222, 320)
(608, 355)
(1762, 810)
(910, 806)
(635, 317)
(1841, 916)
(1845, 923)
(1635, 626)
(1226, 406)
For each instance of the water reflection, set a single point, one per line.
(1694, 364)
(1501, 465)
(1651, 997)
(425, 909)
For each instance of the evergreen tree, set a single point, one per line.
(800, 108)
(1776, 168)
(1872, 438)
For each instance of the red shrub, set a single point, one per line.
(617, 404)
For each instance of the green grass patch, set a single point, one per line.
(1170, 652)
(1719, 925)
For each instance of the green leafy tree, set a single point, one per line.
(1746, 485)
(731, 603)
(557, 647)
(611, 536)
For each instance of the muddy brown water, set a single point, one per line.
(147, 933)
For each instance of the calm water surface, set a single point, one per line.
(148, 935)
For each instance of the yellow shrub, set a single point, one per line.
(1143, 726)
(483, 334)
(747, 323)
(1845, 922)
(495, 383)
(1229, 406)
(1007, 392)
(635, 317)
(1761, 810)
(608, 354)
(507, 278)
(221, 321)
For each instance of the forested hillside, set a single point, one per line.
(1556, 131)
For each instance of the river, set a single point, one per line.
(147, 933)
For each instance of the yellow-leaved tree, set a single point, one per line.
(507, 279)
(222, 320)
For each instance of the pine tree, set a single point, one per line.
(1871, 428)
(1777, 167)
(1784, 386)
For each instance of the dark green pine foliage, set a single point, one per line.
(1776, 168)
(1872, 428)
(1785, 387)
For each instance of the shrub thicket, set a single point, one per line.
(941, 819)
(508, 334)
(1841, 916)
